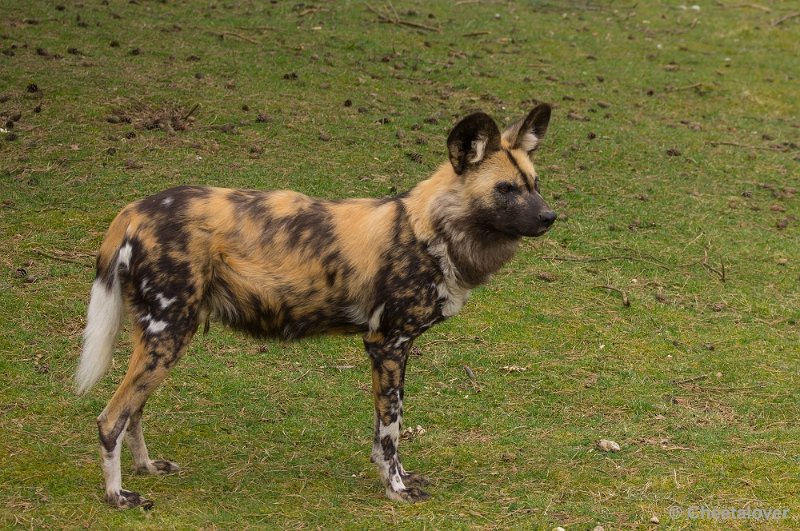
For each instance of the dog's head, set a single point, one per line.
(497, 174)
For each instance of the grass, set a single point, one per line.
(673, 153)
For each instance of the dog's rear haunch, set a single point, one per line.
(282, 265)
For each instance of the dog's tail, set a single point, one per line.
(104, 316)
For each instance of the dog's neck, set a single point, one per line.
(440, 215)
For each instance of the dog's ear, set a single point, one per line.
(526, 133)
(471, 140)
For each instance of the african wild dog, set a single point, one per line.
(282, 265)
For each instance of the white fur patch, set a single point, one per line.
(156, 326)
(478, 148)
(167, 201)
(451, 290)
(400, 341)
(375, 319)
(456, 298)
(165, 302)
(528, 141)
(124, 257)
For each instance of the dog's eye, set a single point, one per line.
(505, 187)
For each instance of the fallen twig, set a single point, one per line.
(720, 272)
(689, 380)
(604, 259)
(191, 112)
(311, 10)
(62, 258)
(742, 388)
(475, 34)
(784, 19)
(393, 18)
(735, 144)
(239, 36)
(256, 28)
(472, 378)
(625, 301)
(687, 87)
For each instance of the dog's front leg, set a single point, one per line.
(389, 357)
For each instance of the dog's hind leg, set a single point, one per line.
(134, 437)
(156, 350)
(388, 371)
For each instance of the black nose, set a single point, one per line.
(547, 217)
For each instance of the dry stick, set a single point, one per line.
(721, 272)
(256, 28)
(755, 6)
(688, 87)
(238, 36)
(743, 388)
(784, 19)
(693, 379)
(625, 301)
(191, 112)
(61, 258)
(383, 17)
(604, 259)
(310, 11)
(475, 34)
(472, 378)
(734, 144)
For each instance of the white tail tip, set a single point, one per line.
(103, 321)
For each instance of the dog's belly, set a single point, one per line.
(285, 316)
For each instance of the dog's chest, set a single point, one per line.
(452, 297)
(452, 294)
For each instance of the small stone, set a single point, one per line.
(655, 520)
(598, 528)
(607, 445)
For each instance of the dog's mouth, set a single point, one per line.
(541, 231)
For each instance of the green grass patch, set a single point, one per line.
(672, 158)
